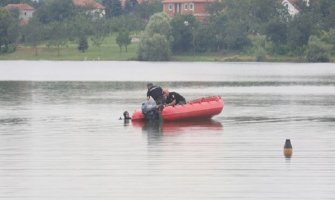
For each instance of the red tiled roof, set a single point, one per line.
(19, 6)
(88, 3)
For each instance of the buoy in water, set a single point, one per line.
(288, 148)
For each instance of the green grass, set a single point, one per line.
(231, 57)
(110, 51)
(107, 51)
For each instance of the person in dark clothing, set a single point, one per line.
(156, 93)
(173, 98)
(126, 115)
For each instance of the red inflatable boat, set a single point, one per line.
(204, 108)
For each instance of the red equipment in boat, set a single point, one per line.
(203, 108)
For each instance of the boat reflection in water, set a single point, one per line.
(159, 127)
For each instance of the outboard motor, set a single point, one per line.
(149, 110)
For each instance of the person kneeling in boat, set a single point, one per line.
(155, 92)
(173, 98)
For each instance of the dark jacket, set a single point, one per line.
(156, 93)
(175, 96)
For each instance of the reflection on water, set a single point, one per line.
(64, 140)
(158, 127)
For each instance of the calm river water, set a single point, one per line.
(61, 137)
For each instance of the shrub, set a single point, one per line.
(316, 50)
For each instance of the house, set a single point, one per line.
(292, 7)
(25, 11)
(195, 7)
(94, 7)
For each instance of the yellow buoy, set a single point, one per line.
(288, 148)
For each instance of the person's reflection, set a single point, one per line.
(153, 128)
(126, 122)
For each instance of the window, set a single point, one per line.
(185, 6)
(191, 6)
(171, 6)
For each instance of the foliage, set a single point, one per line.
(99, 32)
(147, 8)
(5, 2)
(9, 31)
(154, 48)
(33, 33)
(123, 39)
(316, 51)
(56, 10)
(58, 34)
(236, 37)
(113, 8)
(204, 38)
(183, 28)
(130, 6)
(328, 37)
(276, 32)
(233, 26)
(323, 11)
(83, 44)
(299, 31)
(159, 23)
(128, 22)
(155, 42)
(260, 54)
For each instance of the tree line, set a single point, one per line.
(252, 27)
(56, 22)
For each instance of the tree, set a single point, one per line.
(57, 10)
(154, 48)
(159, 23)
(328, 37)
(323, 11)
(99, 32)
(33, 33)
(260, 12)
(276, 31)
(147, 8)
(83, 44)
(80, 27)
(299, 31)
(130, 6)
(57, 33)
(155, 42)
(316, 50)
(182, 28)
(204, 38)
(113, 8)
(235, 36)
(9, 31)
(123, 39)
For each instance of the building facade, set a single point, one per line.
(25, 11)
(196, 7)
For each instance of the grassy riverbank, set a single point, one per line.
(111, 51)
(107, 51)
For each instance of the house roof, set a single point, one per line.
(188, 1)
(88, 3)
(19, 6)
